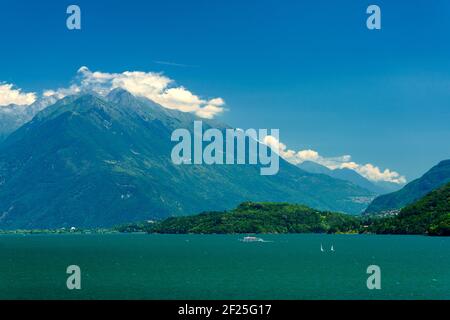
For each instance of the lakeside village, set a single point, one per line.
(69, 230)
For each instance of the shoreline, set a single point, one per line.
(110, 232)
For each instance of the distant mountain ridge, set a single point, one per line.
(90, 161)
(428, 215)
(349, 175)
(431, 180)
(11, 118)
(14, 116)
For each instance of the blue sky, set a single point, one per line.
(310, 68)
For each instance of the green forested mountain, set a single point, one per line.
(91, 161)
(429, 215)
(436, 177)
(250, 217)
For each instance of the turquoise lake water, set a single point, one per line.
(139, 266)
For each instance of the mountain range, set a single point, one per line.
(436, 177)
(91, 161)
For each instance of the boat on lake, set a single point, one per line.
(251, 239)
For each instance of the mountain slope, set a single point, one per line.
(430, 215)
(314, 167)
(348, 175)
(90, 161)
(433, 179)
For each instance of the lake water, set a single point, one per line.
(139, 266)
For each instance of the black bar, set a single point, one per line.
(227, 309)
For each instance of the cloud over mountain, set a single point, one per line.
(164, 91)
(154, 86)
(10, 95)
(367, 170)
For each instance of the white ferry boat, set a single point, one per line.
(251, 239)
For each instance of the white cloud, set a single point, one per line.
(367, 170)
(62, 92)
(153, 86)
(209, 111)
(374, 173)
(309, 155)
(10, 95)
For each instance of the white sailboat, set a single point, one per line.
(321, 248)
(332, 248)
